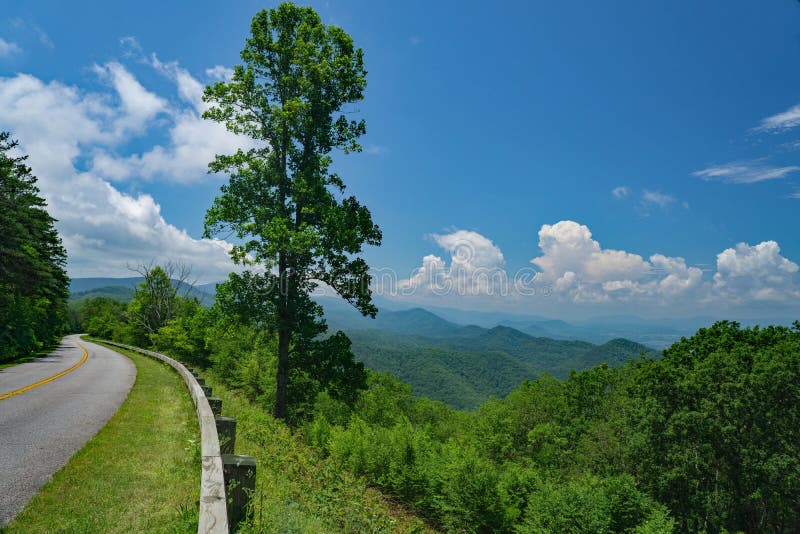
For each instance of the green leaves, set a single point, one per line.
(718, 415)
(33, 283)
(281, 202)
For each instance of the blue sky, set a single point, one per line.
(607, 131)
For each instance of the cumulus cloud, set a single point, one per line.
(189, 89)
(580, 270)
(745, 172)
(621, 191)
(8, 49)
(756, 272)
(104, 229)
(575, 264)
(568, 247)
(574, 268)
(476, 267)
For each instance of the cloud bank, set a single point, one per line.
(574, 268)
(73, 138)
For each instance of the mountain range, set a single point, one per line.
(459, 363)
(122, 289)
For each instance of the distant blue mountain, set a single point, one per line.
(121, 289)
(81, 285)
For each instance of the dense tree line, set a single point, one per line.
(225, 338)
(33, 283)
(703, 439)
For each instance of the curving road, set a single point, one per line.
(42, 427)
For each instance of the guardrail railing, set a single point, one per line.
(213, 514)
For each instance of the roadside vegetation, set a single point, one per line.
(140, 473)
(691, 441)
(33, 283)
(44, 351)
(297, 488)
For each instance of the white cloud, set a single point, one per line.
(573, 268)
(580, 270)
(130, 47)
(189, 89)
(104, 230)
(476, 268)
(193, 141)
(656, 198)
(782, 121)
(220, 72)
(568, 247)
(678, 279)
(575, 264)
(745, 172)
(8, 49)
(621, 191)
(756, 272)
(138, 106)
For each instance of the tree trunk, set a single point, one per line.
(282, 378)
(284, 336)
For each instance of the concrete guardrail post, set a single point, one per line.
(216, 405)
(226, 430)
(240, 485)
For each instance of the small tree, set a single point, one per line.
(156, 300)
(282, 201)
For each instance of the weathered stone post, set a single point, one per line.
(226, 430)
(201, 381)
(206, 390)
(240, 485)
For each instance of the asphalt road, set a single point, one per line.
(43, 427)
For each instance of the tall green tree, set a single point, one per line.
(33, 282)
(718, 436)
(282, 202)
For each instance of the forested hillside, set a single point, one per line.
(33, 283)
(459, 365)
(464, 366)
(691, 441)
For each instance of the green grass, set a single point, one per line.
(296, 490)
(30, 357)
(140, 473)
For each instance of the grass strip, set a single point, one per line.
(140, 473)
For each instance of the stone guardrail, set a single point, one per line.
(213, 515)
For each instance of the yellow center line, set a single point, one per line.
(43, 381)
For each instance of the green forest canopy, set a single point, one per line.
(704, 438)
(33, 282)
